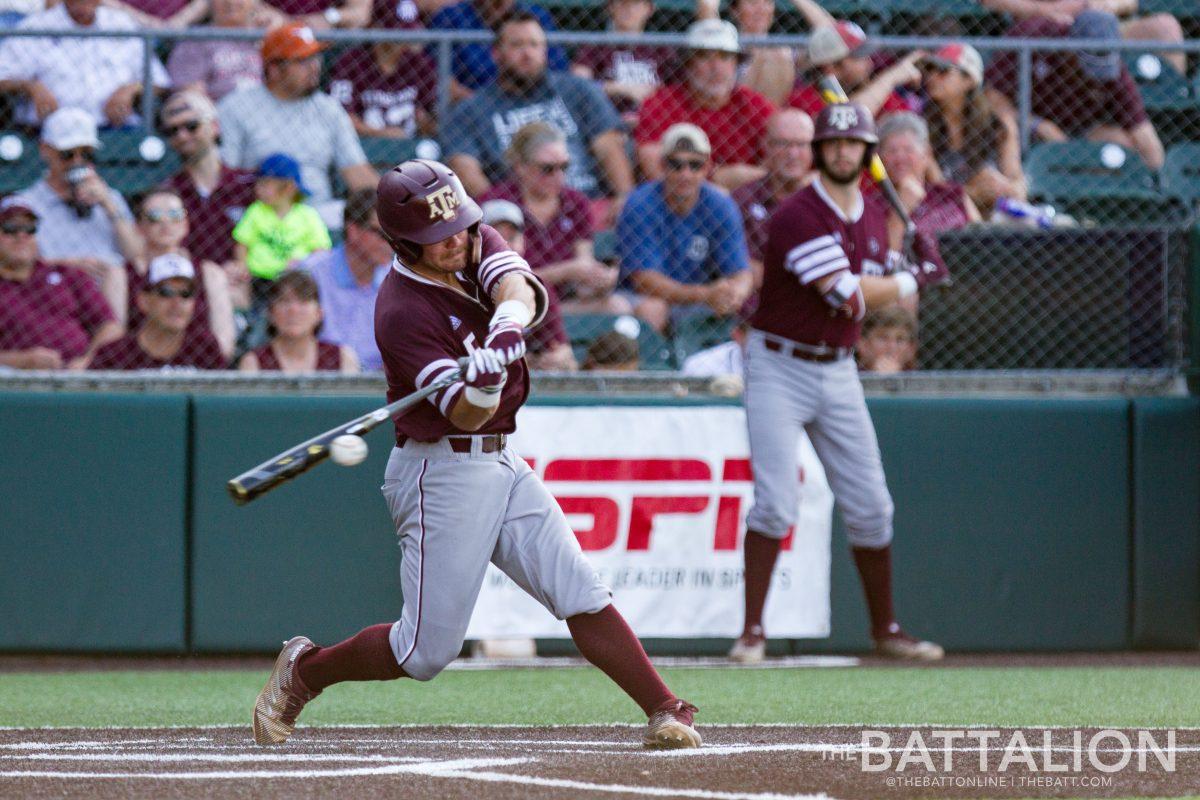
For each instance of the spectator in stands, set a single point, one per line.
(549, 347)
(843, 50)
(934, 206)
(1077, 95)
(348, 278)
(722, 359)
(480, 129)
(287, 114)
(318, 15)
(1163, 27)
(788, 161)
(101, 76)
(770, 71)
(973, 145)
(277, 229)
(166, 338)
(557, 222)
(472, 64)
(388, 88)
(214, 195)
(218, 66)
(628, 73)
(163, 225)
(294, 311)
(733, 117)
(680, 239)
(51, 317)
(889, 341)
(612, 351)
(85, 224)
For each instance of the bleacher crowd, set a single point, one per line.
(637, 180)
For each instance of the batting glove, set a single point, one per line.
(484, 378)
(930, 269)
(506, 333)
(845, 295)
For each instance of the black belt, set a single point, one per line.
(822, 355)
(492, 443)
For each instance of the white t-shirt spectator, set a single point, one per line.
(81, 72)
(63, 233)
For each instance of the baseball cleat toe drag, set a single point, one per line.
(280, 701)
(670, 726)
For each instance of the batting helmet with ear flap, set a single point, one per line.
(844, 121)
(422, 202)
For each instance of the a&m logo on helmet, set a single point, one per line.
(443, 203)
(843, 118)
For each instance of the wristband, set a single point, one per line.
(906, 284)
(482, 399)
(842, 290)
(515, 311)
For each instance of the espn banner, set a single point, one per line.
(658, 497)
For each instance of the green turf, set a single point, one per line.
(1128, 697)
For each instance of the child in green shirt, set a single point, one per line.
(278, 228)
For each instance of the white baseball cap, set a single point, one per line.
(685, 136)
(68, 128)
(168, 266)
(495, 211)
(713, 34)
(829, 44)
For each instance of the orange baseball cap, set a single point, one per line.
(293, 40)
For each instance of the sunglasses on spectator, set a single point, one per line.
(14, 228)
(167, 292)
(87, 154)
(164, 215)
(191, 127)
(678, 164)
(551, 167)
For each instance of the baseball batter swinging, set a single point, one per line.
(825, 263)
(458, 495)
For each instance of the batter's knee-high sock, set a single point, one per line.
(875, 570)
(365, 656)
(761, 552)
(606, 640)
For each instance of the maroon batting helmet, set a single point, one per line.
(844, 121)
(421, 202)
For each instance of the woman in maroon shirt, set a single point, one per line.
(294, 311)
(558, 228)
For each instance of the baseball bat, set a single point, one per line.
(832, 92)
(303, 457)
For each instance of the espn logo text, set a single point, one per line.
(615, 501)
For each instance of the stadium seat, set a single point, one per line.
(696, 333)
(1169, 100)
(654, 351)
(132, 161)
(1181, 173)
(1075, 177)
(20, 163)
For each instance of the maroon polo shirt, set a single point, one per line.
(56, 307)
(199, 351)
(1062, 93)
(944, 207)
(299, 8)
(385, 100)
(807, 240)
(554, 241)
(640, 65)
(756, 201)
(212, 218)
(423, 328)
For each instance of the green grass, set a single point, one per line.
(1021, 696)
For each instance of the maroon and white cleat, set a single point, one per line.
(280, 701)
(670, 726)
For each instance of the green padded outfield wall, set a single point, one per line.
(92, 522)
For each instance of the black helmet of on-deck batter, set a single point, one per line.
(421, 202)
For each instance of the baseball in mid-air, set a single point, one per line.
(348, 450)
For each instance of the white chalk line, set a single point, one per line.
(175, 758)
(555, 726)
(423, 768)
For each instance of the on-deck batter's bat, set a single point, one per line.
(832, 92)
(303, 457)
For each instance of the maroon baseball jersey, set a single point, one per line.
(136, 282)
(199, 351)
(385, 100)
(55, 307)
(944, 207)
(1061, 92)
(329, 358)
(639, 65)
(808, 238)
(423, 327)
(212, 217)
(756, 201)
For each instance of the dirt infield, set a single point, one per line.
(755, 763)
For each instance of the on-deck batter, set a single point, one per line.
(458, 496)
(825, 263)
